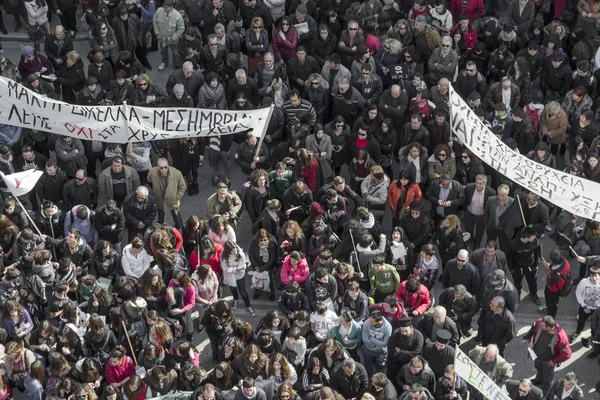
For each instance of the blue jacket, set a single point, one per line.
(376, 339)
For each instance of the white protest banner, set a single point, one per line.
(470, 372)
(577, 195)
(123, 123)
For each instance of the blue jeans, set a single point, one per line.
(373, 360)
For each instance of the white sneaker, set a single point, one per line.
(161, 66)
(542, 308)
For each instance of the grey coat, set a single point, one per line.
(70, 156)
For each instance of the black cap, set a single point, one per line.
(405, 321)
(443, 336)
(498, 276)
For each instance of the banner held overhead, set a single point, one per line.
(22, 107)
(577, 195)
(474, 376)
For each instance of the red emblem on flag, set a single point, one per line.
(18, 182)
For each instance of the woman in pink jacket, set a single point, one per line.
(294, 269)
(119, 368)
(181, 296)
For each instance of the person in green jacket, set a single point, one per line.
(384, 279)
(348, 333)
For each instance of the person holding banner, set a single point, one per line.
(450, 386)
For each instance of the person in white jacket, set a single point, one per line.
(588, 297)
(135, 260)
(233, 264)
(277, 8)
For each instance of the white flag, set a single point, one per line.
(22, 182)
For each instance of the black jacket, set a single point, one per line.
(468, 276)
(407, 135)
(456, 197)
(425, 326)
(442, 390)
(496, 329)
(255, 202)
(400, 353)
(134, 215)
(103, 224)
(350, 386)
(508, 292)
(71, 80)
(256, 261)
(294, 304)
(58, 49)
(51, 187)
(466, 174)
(418, 231)
(89, 199)
(512, 387)
(81, 257)
(466, 313)
(51, 226)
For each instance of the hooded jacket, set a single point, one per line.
(376, 339)
(290, 274)
(134, 266)
(52, 225)
(321, 292)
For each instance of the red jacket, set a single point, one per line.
(214, 261)
(557, 287)
(474, 9)
(121, 371)
(470, 36)
(418, 302)
(560, 342)
(395, 192)
(285, 49)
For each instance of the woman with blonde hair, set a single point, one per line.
(18, 363)
(555, 123)
(257, 43)
(291, 238)
(146, 94)
(71, 77)
(450, 238)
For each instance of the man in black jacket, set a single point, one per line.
(556, 78)
(459, 270)
(350, 379)
(417, 225)
(523, 256)
(523, 390)
(339, 184)
(110, 223)
(139, 211)
(80, 190)
(476, 197)
(446, 195)
(412, 132)
(405, 343)
(74, 247)
(300, 68)
(57, 45)
(242, 84)
(393, 104)
(461, 306)
(50, 220)
(496, 325)
(292, 300)
(50, 185)
(213, 62)
(432, 323)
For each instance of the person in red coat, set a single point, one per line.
(474, 9)
(414, 298)
(547, 359)
(555, 281)
(210, 253)
(119, 368)
(468, 31)
(285, 40)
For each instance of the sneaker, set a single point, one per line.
(251, 311)
(574, 337)
(215, 180)
(548, 228)
(162, 66)
(536, 300)
(543, 308)
(235, 304)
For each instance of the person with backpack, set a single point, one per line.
(99, 340)
(82, 218)
(557, 282)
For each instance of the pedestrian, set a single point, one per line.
(169, 187)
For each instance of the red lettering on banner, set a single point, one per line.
(79, 131)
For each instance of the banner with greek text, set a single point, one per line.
(470, 372)
(577, 195)
(120, 124)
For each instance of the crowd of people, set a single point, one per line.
(359, 132)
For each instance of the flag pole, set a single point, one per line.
(354, 248)
(521, 209)
(264, 132)
(22, 207)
